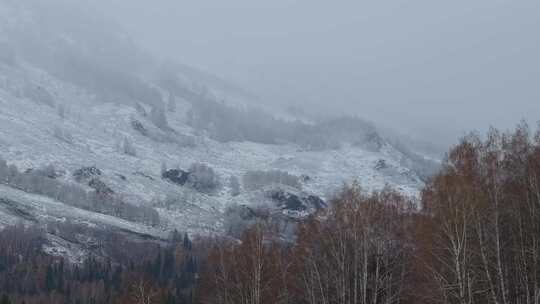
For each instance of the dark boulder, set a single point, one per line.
(288, 200)
(176, 176)
(316, 202)
(86, 173)
(294, 202)
(100, 187)
(381, 164)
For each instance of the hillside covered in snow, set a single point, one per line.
(94, 130)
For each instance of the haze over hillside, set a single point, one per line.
(428, 68)
(99, 130)
(280, 152)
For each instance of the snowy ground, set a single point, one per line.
(27, 139)
(47, 121)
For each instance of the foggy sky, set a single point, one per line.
(430, 68)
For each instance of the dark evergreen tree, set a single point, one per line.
(187, 242)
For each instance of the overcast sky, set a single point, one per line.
(433, 68)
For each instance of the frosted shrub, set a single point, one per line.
(203, 178)
(254, 180)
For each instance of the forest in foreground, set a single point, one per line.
(473, 238)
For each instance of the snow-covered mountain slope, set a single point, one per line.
(29, 139)
(102, 103)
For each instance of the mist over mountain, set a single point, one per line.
(182, 152)
(429, 69)
(93, 121)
